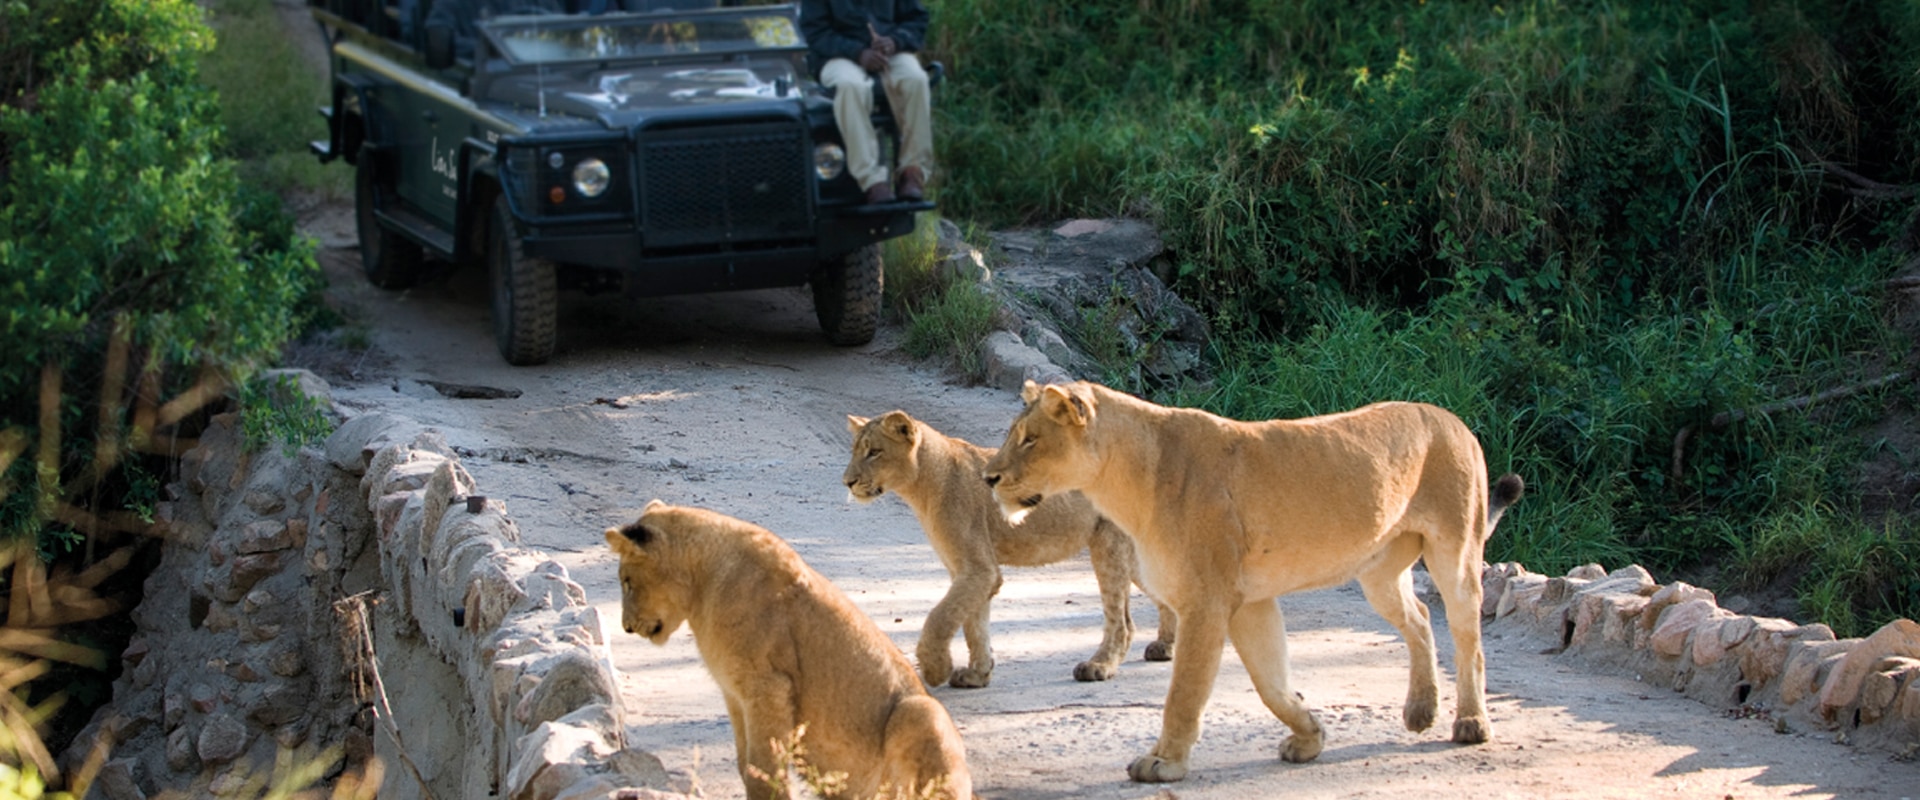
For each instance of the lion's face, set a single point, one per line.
(883, 453)
(653, 595)
(1045, 452)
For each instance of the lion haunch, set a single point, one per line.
(939, 478)
(1229, 515)
(788, 649)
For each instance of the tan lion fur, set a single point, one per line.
(939, 477)
(787, 649)
(1229, 515)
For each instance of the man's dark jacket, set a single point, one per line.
(838, 28)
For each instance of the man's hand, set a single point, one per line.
(885, 45)
(872, 61)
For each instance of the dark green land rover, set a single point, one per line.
(622, 147)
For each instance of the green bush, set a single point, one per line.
(130, 256)
(1589, 228)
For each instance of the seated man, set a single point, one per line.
(850, 42)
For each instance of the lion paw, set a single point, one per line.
(1159, 651)
(1092, 671)
(1154, 769)
(1299, 749)
(935, 670)
(970, 678)
(1472, 730)
(1419, 716)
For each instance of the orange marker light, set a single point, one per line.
(556, 194)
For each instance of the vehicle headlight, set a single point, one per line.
(590, 177)
(829, 161)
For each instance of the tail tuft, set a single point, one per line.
(1505, 492)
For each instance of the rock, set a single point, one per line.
(1588, 572)
(348, 449)
(1720, 635)
(116, 781)
(1808, 664)
(286, 661)
(264, 536)
(1899, 638)
(173, 709)
(222, 739)
(203, 698)
(279, 705)
(1671, 594)
(1881, 688)
(1010, 363)
(570, 682)
(180, 751)
(264, 503)
(220, 618)
(1676, 623)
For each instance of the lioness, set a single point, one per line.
(787, 649)
(939, 478)
(1229, 515)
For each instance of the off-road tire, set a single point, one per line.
(846, 296)
(525, 309)
(390, 260)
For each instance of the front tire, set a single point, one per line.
(523, 289)
(846, 296)
(390, 260)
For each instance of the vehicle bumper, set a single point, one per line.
(652, 272)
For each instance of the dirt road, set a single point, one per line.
(734, 402)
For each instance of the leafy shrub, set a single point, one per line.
(137, 277)
(1589, 228)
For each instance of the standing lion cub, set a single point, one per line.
(939, 478)
(788, 649)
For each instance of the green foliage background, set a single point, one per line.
(1584, 226)
(120, 218)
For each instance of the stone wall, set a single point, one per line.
(362, 595)
(1863, 691)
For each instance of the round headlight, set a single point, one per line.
(829, 161)
(590, 177)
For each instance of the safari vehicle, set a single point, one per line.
(652, 152)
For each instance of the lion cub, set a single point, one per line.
(787, 649)
(939, 477)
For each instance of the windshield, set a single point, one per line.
(643, 36)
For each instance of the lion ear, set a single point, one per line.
(653, 504)
(1063, 407)
(854, 424)
(898, 425)
(622, 546)
(1028, 392)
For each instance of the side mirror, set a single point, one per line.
(439, 46)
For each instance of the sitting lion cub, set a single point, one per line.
(939, 478)
(1229, 515)
(787, 649)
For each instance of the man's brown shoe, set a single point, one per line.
(879, 193)
(913, 185)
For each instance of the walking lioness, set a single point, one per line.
(788, 649)
(1228, 515)
(939, 478)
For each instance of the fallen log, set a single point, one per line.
(1725, 418)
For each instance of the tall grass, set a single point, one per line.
(268, 95)
(1588, 228)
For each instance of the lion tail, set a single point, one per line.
(1505, 492)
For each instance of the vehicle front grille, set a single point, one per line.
(739, 184)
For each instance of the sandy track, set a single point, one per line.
(735, 403)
